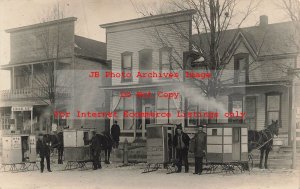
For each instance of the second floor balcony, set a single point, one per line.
(34, 93)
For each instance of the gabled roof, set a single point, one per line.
(89, 48)
(269, 40)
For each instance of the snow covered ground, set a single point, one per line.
(131, 177)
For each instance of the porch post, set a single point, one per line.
(31, 80)
(13, 78)
(293, 125)
(31, 115)
(134, 120)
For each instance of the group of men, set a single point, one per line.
(183, 144)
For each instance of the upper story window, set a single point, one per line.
(241, 62)
(165, 59)
(145, 64)
(126, 67)
(235, 105)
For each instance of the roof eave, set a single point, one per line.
(148, 18)
(97, 59)
(69, 19)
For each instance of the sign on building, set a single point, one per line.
(22, 108)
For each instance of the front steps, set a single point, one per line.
(282, 158)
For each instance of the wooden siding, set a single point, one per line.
(260, 70)
(87, 94)
(27, 46)
(136, 40)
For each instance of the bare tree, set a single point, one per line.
(50, 76)
(292, 9)
(210, 22)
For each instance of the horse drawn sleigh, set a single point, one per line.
(73, 146)
(18, 152)
(229, 147)
(159, 147)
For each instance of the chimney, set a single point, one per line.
(263, 20)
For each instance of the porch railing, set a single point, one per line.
(25, 93)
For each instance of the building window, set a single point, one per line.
(273, 108)
(250, 107)
(128, 123)
(214, 132)
(241, 62)
(5, 121)
(145, 64)
(127, 65)
(165, 59)
(235, 105)
(193, 121)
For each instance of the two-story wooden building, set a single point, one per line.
(256, 79)
(134, 48)
(48, 62)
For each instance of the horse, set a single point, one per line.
(57, 141)
(106, 144)
(263, 141)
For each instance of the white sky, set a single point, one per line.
(92, 13)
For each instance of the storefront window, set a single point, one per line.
(128, 123)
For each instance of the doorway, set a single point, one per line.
(236, 144)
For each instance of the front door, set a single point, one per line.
(147, 120)
(236, 144)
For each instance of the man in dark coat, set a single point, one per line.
(115, 133)
(181, 143)
(199, 149)
(43, 149)
(95, 151)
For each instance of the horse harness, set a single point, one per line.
(264, 133)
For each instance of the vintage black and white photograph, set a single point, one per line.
(150, 94)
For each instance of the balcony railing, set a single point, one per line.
(28, 93)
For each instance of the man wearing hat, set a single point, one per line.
(115, 133)
(199, 149)
(43, 149)
(181, 143)
(96, 150)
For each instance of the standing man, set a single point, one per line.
(43, 149)
(115, 133)
(181, 143)
(95, 151)
(199, 149)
